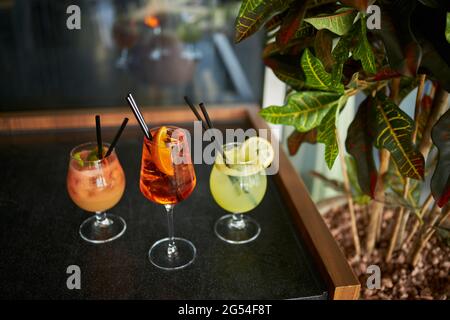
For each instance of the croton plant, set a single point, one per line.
(328, 51)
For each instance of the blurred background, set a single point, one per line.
(158, 49)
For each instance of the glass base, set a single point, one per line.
(180, 257)
(235, 231)
(109, 229)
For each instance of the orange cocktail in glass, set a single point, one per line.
(96, 185)
(168, 177)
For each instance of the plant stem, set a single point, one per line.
(439, 106)
(376, 207)
(349, 196)
(422, 212)
(428, 230)
(420, 88)
(396, 235)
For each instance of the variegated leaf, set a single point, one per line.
(339, 23)
(340, 54)
(363, 50)
(254, 13)
(392, 129)
(315, 74)
(304, 110)
(291, 23)
(327, 135)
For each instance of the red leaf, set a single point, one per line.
(291, 23)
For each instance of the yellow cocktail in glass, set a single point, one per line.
(238, 184)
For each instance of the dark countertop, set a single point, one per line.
(39, 235)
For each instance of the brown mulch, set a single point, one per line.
(430, 279)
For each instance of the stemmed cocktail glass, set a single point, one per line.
(96, 185)
(237, 185)
(168, 177)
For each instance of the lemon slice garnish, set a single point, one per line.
(258, 150)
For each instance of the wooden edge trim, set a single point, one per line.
(341, 280)
(72, 119)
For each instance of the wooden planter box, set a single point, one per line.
(336, 273)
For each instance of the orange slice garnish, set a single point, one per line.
(162, 153)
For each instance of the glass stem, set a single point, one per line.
(237, 221)
(101, 220)
(171, 248)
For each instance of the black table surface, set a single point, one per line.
(39, 235)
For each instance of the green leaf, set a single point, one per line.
(304, 110)
(392, 129)
(440, 182)
(327, 135)
(339, 23)
(359, 144)
(77, 156)
(340, 54)
(315, 74)
(363, 50)
(254, 13)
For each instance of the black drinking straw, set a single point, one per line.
(137, 113)
(99, 137)
(205, 114)
(234, 180)
(210, 125)
(116, 138)
(194, 110)
(206, 125)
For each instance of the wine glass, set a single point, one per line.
(96, 185)
(237, 186)
(167, 177)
